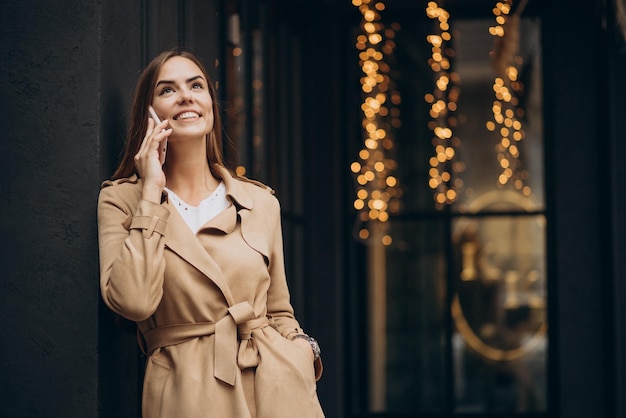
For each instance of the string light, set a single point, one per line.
(377, 191)
(507, 111)
(445, 165)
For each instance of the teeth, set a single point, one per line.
(187, 115)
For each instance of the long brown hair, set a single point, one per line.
(139, 115)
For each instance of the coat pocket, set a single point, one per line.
(285, 380)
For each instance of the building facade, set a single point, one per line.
(453, 196)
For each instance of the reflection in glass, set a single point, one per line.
(407, 311)
(499, 309)
(456, 302)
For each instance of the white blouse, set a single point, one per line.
(196, 216)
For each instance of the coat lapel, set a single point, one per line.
(183, 242)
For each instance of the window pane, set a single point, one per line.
(499, 313)
(500, 134)
(407, 312)
(456, 289)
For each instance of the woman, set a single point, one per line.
(194, 256)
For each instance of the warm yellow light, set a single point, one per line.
(379, 204)
(375, 38)
(355, 167)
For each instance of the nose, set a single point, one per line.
(185, 96)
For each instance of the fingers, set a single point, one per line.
(155, 134)
(147, 160)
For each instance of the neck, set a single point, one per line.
(187, 172)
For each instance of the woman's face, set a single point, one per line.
(181, 95)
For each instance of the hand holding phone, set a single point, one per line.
(163, 149)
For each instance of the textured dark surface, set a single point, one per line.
(48, 184)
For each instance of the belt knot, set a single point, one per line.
(229, 354)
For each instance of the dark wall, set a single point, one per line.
(584, 64)
(50, 107)
(122, 56)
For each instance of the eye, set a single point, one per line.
(165, 90)
(197, 85)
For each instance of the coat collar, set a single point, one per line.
(235, 189)
(183, 242)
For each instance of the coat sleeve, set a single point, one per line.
(131, 245)
(279, 307)
(278, 300)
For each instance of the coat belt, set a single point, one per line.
(229, 352)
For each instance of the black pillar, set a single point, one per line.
(49, 162)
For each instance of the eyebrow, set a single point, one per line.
(189, 80)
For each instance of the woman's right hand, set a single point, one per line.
(147, 161)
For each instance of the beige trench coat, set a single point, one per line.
(212, 309)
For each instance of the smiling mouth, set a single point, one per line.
(186, 115)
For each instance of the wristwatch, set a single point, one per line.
(317, 351)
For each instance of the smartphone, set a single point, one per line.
(164, 142)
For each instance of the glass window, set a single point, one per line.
(455, 282)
